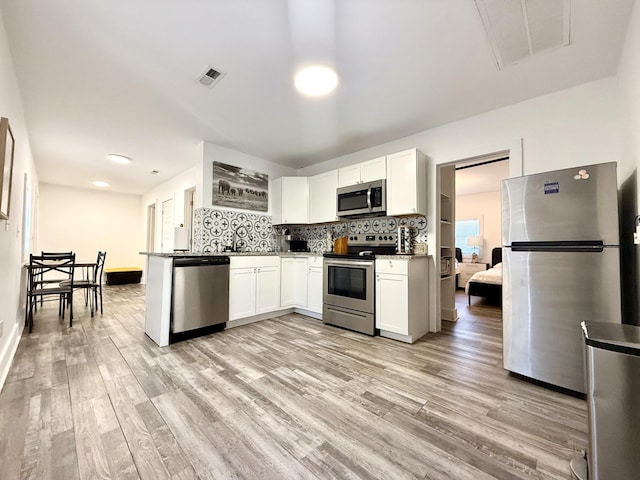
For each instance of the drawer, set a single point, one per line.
(242, 261)
(399, 267)
(315, 261)
(471, 267)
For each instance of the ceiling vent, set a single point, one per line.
(518, 29)
(210, 77)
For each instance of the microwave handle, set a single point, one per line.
(369, 198)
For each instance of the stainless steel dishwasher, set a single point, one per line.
(200, 295)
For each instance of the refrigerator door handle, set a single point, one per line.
(596, 246)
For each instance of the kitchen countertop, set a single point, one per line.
(401, 256)
(265, 254)
(229, 254)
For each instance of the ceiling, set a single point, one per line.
(481, 178)
(117, 76)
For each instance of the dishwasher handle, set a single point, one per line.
(201, 261)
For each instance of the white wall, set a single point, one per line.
(485, 206)
(572, 127)
(171, 189)
(629, 78)
(87, 221)
(12, 275)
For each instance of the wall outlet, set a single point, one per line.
(1, 329)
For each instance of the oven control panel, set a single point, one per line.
(373, 239)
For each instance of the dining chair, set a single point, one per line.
(62, 265)
(91, 286)
(51, 280)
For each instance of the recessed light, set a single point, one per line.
(114, 157)
(100, 183)
(316, 80)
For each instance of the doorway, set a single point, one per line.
(189, 212)
(444, 294)
(151, 227)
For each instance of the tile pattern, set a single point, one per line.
(214, 228)
(316, 235)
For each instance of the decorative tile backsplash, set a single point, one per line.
(214, 228)
(316, 235)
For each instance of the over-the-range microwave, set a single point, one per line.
(363, 199)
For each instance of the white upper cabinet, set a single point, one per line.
(322, 197)
(289, 200)
(375, 169)
(407, 183)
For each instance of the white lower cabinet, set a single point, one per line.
(267, 289)
(242, 292)
(314, 285)
(254, 286)
(402, 311)
(301, 283)
(392, 303)
(293, 285)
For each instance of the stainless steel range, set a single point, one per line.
(349, 289)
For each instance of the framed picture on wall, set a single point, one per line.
(242, 188)
(6, 167)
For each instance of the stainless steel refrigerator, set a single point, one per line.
(561, 266)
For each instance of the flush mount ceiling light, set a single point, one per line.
(316, 80)
(114, 157)
(100, 183)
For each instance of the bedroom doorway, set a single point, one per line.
(444, 293)
(478, 227)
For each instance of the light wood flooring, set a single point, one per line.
(285, 398)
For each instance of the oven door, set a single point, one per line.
(349, 284)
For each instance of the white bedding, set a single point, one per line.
(493, 275)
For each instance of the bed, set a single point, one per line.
(488, 284)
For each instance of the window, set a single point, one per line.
(464, 229)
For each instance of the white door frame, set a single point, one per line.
(512, 149)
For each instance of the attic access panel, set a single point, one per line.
(520, 29)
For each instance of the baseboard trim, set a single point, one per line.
(449, 314)
(308, 313)
(9, 352)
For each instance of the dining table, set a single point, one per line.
(87, 268)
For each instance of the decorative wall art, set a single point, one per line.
(241, 188)
(6, 167)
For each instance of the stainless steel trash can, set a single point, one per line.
(612, 353)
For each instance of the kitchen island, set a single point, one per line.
(253, 289)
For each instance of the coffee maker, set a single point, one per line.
(283, 240)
